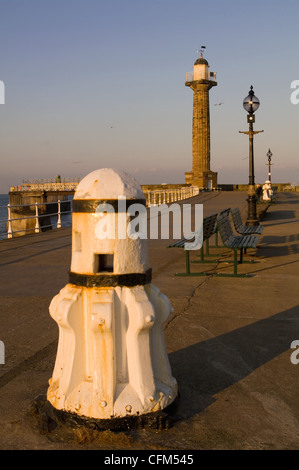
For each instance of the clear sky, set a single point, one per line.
(101, 83)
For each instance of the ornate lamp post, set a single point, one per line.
(251, 104)
(269, 155)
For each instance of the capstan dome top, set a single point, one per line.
(108, 183)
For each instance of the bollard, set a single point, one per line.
(37, 224)
(9, 224)
(59, 214)
(111, 362)
(267, 191)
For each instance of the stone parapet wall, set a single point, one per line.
(162, 186)
(244, 187)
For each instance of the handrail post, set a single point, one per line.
(37, 227)
(59, 215)
(9, 224)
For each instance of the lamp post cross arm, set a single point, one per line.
(250, 132)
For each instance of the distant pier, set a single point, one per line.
(37, 199)
(33, 204)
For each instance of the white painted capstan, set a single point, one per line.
(111, 359)
(92, 255)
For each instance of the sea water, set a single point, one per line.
(4, 200)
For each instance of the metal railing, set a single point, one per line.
(51, 180)
(190, 76)
(37, 217)
(48, 186)
(154, 197)
(157, 197)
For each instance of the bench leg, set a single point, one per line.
(216, 240)
(202, 255)
(188, 273)
(242, 260)
(235, 273)
(241, 255)
(208, 250)
(187, 262)
(236, 260)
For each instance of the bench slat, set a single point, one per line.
(240, 227)
(235, 242)
(209, 224)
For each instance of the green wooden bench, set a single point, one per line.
(216, 232)
(235, 243)
(207, 231)
(207, 242)
(244, 229)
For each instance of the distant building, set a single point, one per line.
(200, 81)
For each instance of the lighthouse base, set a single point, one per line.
(204, 180)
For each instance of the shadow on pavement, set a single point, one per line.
(281, 215)
(289, 199)
(208, 367)
(279, 239)
(276, 252)
(283, 223)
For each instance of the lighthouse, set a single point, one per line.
(201, 80)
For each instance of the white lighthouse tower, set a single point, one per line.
(201, 80)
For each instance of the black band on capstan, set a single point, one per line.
(92, 205)
(111, 280)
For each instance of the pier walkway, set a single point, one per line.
(228, 340)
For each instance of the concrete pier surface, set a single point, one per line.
(228, 341)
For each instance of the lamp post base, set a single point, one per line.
(252, 218)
